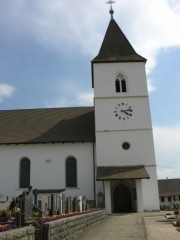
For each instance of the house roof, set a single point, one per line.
(169, 187)
(121, 172)
(116, 47)
(49, 125)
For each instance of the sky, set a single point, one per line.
(46, 48)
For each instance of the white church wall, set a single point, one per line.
(139, 202)
(111, 153)
(47, 167)
(150, 190)
(107, 189)
(105, 74)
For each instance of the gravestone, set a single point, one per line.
(57, 204)
(62, 203)
(75, 204)
(100, 200)
(26, 206)
(53, 204)
(49, 204)
(80, 203)
(40, 205)
(83, 203)
(69, 204)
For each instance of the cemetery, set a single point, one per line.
(46, 214)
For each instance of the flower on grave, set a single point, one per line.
(65, 215)
(6, 227)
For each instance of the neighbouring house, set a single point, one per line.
(169, 193)
(104, 152)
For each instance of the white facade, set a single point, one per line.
(134, 71)
(47, 167)
(110, 152)
(112, 132)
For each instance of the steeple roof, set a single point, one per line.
(116, 47)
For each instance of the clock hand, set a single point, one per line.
(129, 110)
(125, 111)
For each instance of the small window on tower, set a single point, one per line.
(118, 86)
(121, 83)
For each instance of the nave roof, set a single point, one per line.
(50, 125)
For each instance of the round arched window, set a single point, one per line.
(71, 172)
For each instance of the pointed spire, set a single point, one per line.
(116, 47)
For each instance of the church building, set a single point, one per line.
(104, 152)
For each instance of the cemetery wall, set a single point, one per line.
(62, 229)
(25, 233)
(70, 228)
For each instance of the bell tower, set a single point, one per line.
(124, 141)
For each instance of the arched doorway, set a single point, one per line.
(122, 199)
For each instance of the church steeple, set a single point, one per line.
(116, 47)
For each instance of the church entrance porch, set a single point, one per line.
(123, 196)
(123, 187)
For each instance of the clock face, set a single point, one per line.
(123, 111)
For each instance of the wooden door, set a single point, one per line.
(122, 199)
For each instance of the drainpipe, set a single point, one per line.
(94, 167)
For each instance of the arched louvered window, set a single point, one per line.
(71, 172)
(123, 85)
(117, 83)
(24, 176)
(120, 83)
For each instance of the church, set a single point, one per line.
(104, 152)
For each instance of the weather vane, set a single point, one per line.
(110, 2)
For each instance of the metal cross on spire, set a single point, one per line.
(110, 2)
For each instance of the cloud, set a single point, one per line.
(5, 91)
(154, 25)
(64, 25)
(169, 173)
(150, 86)
(85, 99)
(167, 142)
(78, 99)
